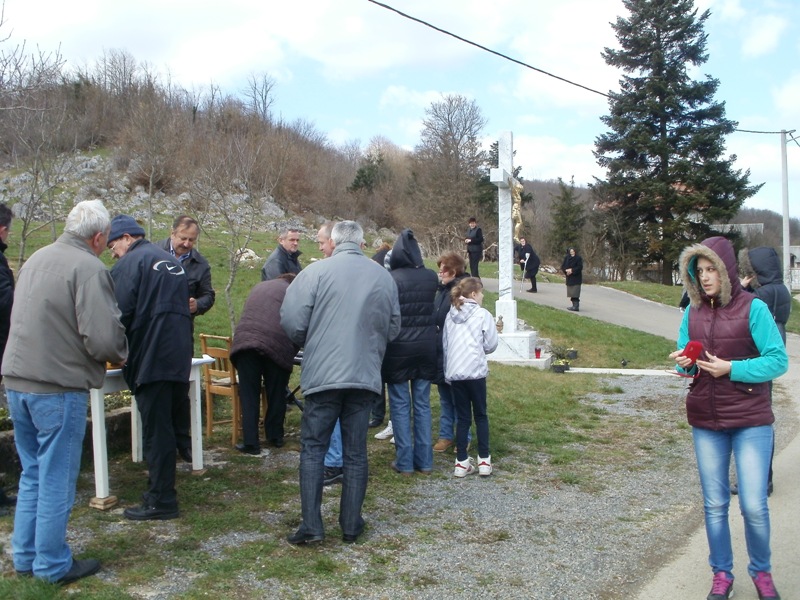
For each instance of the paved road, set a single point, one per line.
(688, 576)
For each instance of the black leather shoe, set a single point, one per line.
(332, 475)
(248, 449)
(276, 442)
(375, 422)
(79, 570)
(298, 538)
(348, 538)
(151, 513)
(185, 454)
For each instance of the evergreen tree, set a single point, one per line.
(664, 156)
(568, 218)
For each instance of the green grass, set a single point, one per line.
(235, 516)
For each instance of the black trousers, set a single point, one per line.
(255, 368)
(181, 417)
(155, 401)
(474, 261)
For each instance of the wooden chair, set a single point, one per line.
(221, 380)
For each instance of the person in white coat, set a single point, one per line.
(469, 335)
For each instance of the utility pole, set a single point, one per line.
(787, 274)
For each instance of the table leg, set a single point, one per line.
(195, 415)
(102, 499)
(136, 432)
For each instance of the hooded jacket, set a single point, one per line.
(764, 265)
(732, 326)
(412, 355)
(441, 308)
(469, 335)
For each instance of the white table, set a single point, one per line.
(114, 382)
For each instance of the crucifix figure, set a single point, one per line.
(514, 345)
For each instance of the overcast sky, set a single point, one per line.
(356, 70)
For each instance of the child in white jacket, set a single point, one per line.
(469, 335)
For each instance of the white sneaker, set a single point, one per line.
(386, 433)
(464, 468)
(485, 466)
(391, 441)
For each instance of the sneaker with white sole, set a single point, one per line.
(385, 433)
(485, 466)
(391, 441)
(464, 468)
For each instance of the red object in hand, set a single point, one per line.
(693, 351)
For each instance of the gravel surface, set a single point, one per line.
(522, 533)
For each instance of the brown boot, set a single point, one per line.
(442, 444)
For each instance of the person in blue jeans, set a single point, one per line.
(65, 326)
(410, 362)
(343, 311)
(728, 405)
(451, 271)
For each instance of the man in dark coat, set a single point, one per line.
(262, 352)
(180, 244)
(410, 362)
(528, 261)
(285, 258)
(153, 296)
(474, 242)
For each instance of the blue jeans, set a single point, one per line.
(333, 457)
(321, 410)
(470, 400)
(48, 432)
(752, 448)
(447, 414)
(407, 399)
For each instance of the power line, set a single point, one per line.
(495, 52)
(526, 65)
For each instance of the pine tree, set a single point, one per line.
(664, 156)
(568, 218)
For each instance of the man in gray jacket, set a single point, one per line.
(65, 326)
(343, 311)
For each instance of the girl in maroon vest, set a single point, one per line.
(728, 405)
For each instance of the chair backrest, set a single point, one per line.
(220, 375)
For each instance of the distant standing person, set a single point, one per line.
(474, 242)
(65, 326)
(469, 335)
(180, 244)
(343, 310)
(728, 405)
(573, 269)
(528, 262)
(286, 256)
(153, 296)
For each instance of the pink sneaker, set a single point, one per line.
(721, 587)
(764, 586)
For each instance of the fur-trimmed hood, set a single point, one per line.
(762, 264)
(719, 251)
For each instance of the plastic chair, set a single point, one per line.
(221, 380)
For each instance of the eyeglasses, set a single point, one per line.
(112, 244)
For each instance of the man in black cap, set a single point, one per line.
(153, 295)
